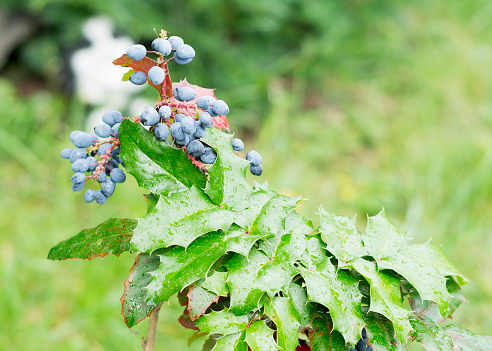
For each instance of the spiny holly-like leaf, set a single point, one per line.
(382, 238)
(337, 291)
(323, 337)
(134, 308)
(186, 321)
(145, 65)
(248, 210)
(385, 296)
(110, 237)
(271, 218)
(223, 322)
(178, 219)
(381, 333)
(414, 262)
(282, 312)
(298, 224)
(156, 165)
(220, 122)
(300, 304)
(227, 183)
(436, 336)
(217, 283)
(199, 300)
(232, 342)
(179, 267)
(343, 237)
(260, 338)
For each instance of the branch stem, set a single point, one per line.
(149, 343)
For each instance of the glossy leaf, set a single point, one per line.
(227, 182)
(282, 312)
(260, 338)
(223, 322)
(110, 237)
(217, 283)
(381, 334)
(178, 219)
(155, 164)
(134, 306)
(271, 218)
(199, 300)
(232, 342)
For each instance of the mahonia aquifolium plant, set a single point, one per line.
(250, 271)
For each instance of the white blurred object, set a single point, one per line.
(97, 80)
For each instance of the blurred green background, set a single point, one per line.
(355, 105)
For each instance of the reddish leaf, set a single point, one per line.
(186, 321)
(134, 307)
(145, 65)
(110, 237)
(220, 122)
(199, 300)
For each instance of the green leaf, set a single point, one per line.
(260, 338)
(134, 306)
(248, 211)
(382, 238)
(179, 267)
(271, 218)
(323, 337)
(110, 237)
(300, 303)
(127, 75)
(227, 183)
(156, 165)
(217, 283)
(385, 296)
(298, 224)
(178, 219)
(232, 342)
(223, 322)
(337, 291)
(343, 237)
(436, 336)
(199, 300)
(415, 263)
(380, 333)
(283, 313)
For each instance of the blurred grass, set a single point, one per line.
(385, 105)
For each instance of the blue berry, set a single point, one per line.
(112, 117)
(136, 52)
(165, 112)
(254, 157)
(115, 130)
(237, 144)
(100, 197)
(156, 75)
(200, 131)
(92, 163)
(149, 116)
(78, 177)
(74, 134)
(186, 93)
(77, 154)
(82, 140)
(78, 186)
(256, 170)
(181, 61)
(179, 117)
(89, 195)
(220, 107)
(138, 78)
(102, 130)
(101, 177)
(81, 165)
(161, 131)
(188, 125)
(206, 120)
(184, 52)
(175, 41)
(108, 187)
(176, 131)
(117, 175)
(104, 148)
(95, 139)
(208, 155)
(66, 153)
(195, 148)
(205, 102)
(184, 141)
(162, 45)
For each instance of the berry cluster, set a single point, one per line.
(362, 343)
(98, 155)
